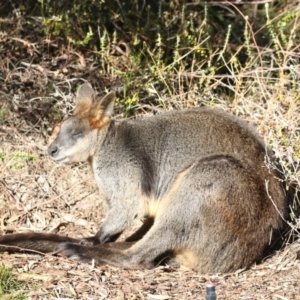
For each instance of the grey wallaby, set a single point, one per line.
(197, 177)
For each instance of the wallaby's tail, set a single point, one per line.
(33, 242)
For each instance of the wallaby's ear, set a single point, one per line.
(101, 111)
(84, 99)
(107, 104)
(97, 111)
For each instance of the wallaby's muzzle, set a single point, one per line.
(52, 150)
(56, 154)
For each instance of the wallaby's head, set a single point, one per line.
(76, 138)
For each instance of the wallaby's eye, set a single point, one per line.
(77, 135)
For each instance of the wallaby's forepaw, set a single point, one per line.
(89, 241)
(75, 252)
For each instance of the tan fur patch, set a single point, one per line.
(55, 133)
(186, 257)
(168, 196)
(98, 121)
(177, 182)
(151, 207)
(93, 114)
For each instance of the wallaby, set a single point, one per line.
(198, 177)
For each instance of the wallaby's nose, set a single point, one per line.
(52, 150)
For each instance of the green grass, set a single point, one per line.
(4, 113)
(10, 287)
(17, 160)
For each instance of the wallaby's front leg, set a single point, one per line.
(147, 224)
(120, 215)
(99, 238)
(113, 226)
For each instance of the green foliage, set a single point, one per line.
(17, 160)
(161, 39)
(55, 113)
(10, 286)
(4, 113)
(156, 38)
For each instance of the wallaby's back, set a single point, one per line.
(166, 144)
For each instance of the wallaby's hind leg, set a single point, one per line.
(230, 225)
(142, 254)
